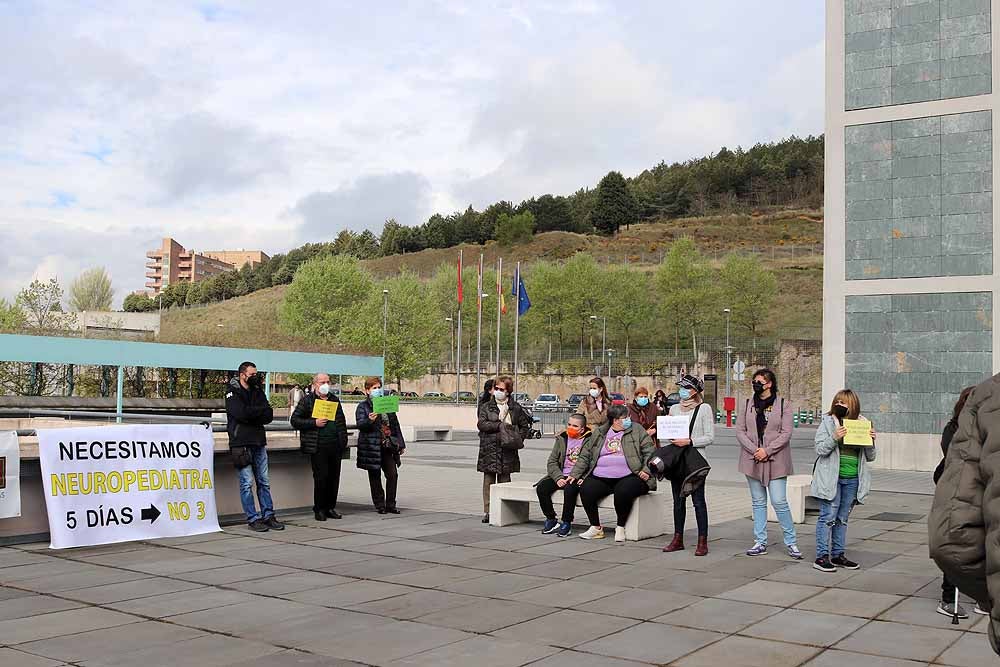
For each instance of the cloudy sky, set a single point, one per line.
(266, 124)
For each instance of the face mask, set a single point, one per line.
(840, 411)
(324, 389)
(500, 394)
(642, 401)
(594, 393)
(574, 432)
(255, 380)
(684, 393)
(627, 422)
(758, 387)
(376, 392)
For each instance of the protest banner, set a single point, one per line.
(10, 475)
(858, 433)
(672, 428)
(383, 405)
(121, 483)
(325, 409)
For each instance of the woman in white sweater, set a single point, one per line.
(702, 432)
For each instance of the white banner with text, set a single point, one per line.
(121, 483)
(10, 475)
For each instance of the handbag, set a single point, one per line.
(241, 457)
(510, 437)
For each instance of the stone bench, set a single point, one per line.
(413, 433)
(510, 501)
(798, 489)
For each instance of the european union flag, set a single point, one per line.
(517, 289)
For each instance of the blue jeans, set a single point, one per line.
(779, 501)
(833, 519)
(257, 470)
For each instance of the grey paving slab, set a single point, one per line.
(222, 547)
(348, 540)
(97, 644)
(972, 650)
(480, 651)
(562, 568)
(293, 582)
(748, 652)
(460, 537)
(887, 582)
(434, 576)
(18, 658)
(835, 658)
(17, 574)
(849, 602)
(566, 629)
(305, 632)
(7, 593)
(799, 626)
(513, 542)
(33, 605)
(744, 566)
(487, 615)
(351, 594)
(640, 604)
(570, 546)
(246, 616)
(188, 564)
(377, 568)
(579, 659)
(314, 558)
(296, 658)
(408, 638)
(919, 611)
(414, 605)
(726, 616)
(805, 573)
(618, 554)
(130, 590)
(567, 594)
(14, 557)
(507, 561)
(498, 583)
(33, 628)
(895, 640)
(648, 642)
(230, 575)
(397, 547)
(628, 576)
(205, 651)
(181, 602)
(84, 577)
(453, 555)
(979, 623)
(701, 586)
(771, 592)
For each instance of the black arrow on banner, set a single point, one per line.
(150, 514)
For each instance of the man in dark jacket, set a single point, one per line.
(247, 411)
(325, 441)
(964, 523)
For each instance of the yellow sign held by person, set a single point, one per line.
(325, 409)
(859, 433)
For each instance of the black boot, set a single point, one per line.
(319, 515)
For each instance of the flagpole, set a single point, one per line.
(517, 314)
(499, 300)
(458, 339)
(479, 326)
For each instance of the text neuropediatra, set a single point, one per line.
(127, 449)
(126, 481)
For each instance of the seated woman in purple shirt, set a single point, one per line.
(565, 453)
(614, 464)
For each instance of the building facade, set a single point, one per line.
(171, 263)
(911, 278)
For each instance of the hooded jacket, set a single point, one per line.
(247, 411)
(636, 445)
(557, 457)
(494, 459)
(964, 522)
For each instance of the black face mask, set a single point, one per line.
(255, 381)
(839, 411)
(758, 387)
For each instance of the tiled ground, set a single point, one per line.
(430, 588)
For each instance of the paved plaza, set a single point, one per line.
(433, 587)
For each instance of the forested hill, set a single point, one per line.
(785, 174)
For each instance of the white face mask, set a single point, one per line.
(500, 394)
(324, 389)
(594, 393)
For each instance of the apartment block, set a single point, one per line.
(171, 263)
(238, 258)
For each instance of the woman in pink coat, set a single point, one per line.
(764, 431)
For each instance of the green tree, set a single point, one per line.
(551, 213)
(515, 229)
(41, 303)
(631, 303)
(615, 206)
(687, 288)
(11, 316)
(748, 289)
(138, 302)
(324, 297)
(555, 304)
(589, 284)
(91, 291)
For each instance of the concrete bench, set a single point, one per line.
(423, 433)
(798, 489)
(510, 501)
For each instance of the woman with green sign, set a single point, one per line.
(380, 444)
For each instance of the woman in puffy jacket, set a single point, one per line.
(496, 462)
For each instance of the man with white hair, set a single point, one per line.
(325, 440)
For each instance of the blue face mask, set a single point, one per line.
(377, 392)
(684, 393)
(627, 422)
(642, 401)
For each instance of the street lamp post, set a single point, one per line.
(611, 375)
(385, 329)
(729, 349)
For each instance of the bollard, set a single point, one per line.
(811, 415)
(795, 420)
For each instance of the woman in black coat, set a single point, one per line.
(495, 462)
(380, 444)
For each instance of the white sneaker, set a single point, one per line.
(619, 534)
(593, 533)
(979, 610)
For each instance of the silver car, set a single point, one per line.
(547, 403)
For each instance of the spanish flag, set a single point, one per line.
(460, 277)
(503, 302)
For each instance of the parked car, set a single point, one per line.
(463, 395)
(433, 394)
(617, 398)
(574, 401)
(547, 403)
(522, 399)
(409, 394)
(672, 400)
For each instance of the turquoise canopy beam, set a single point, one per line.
(102, 352)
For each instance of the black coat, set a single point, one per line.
(949, 432)
(247, 411)
(683, 464)
(370, 436)
(303, 422)
(493, 459)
